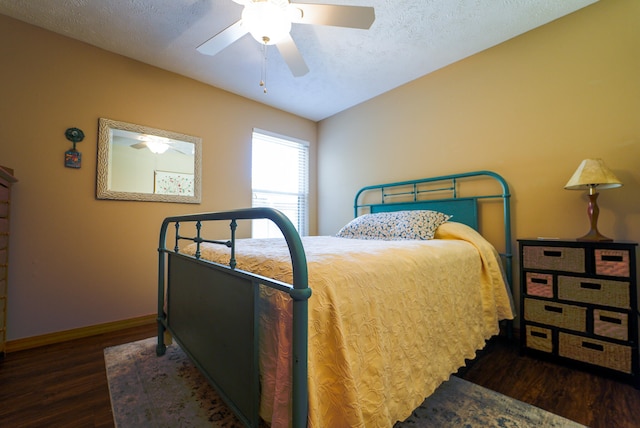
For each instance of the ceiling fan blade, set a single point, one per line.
(292, 56)
(338, 16)
(182, 147)
(223, 39)
(138, 145)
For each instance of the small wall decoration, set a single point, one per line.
(72, 157)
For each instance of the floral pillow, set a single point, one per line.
(396, 225)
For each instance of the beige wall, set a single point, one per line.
(76, 261)
(529, 109)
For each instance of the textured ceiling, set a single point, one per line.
(409, 38)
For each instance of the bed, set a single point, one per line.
(348, 330)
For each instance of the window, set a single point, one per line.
(280, 180)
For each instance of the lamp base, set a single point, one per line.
(594, 235)
(593, 212)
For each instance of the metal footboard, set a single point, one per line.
(210, 309)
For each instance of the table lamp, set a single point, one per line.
(592, 174)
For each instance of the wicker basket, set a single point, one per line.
(539, 284)
(612, 262)
(539, 338)
(592, 290)
(598, 352)
(611, 324)
(556, 314)
(554, 258)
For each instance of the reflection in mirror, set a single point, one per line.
(147, 164)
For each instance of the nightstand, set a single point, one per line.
(579, 304)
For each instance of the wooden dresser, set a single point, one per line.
(580, 304)
(6, 180)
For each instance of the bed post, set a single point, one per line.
(300, 295)
(161, 347)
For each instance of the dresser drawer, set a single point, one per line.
(565, 259)
(4, 209)
(4, 193)
(4, 232)
(612, 262)
(539, 284)
(598, 352)
(593, 290)
(611, 324)
(539, 338)
(556, 314)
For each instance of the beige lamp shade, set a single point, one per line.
(592, 173)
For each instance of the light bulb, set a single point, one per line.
(157, 147)
(268, 22)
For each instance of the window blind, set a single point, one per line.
(280, 180)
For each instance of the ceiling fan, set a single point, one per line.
(269, 22)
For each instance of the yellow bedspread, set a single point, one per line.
(388, 321)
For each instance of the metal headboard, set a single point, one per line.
(440, 194)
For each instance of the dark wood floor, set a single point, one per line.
(65, 385)
(584, 397)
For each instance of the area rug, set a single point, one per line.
(169, 391)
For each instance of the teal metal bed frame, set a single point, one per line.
(210, 309)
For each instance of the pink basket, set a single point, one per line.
(612, 262)
(539, 284)
(610, 324)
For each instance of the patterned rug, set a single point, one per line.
(169, 391)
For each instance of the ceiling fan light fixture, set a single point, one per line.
(157, 147)
(268, 21)
(156, 144)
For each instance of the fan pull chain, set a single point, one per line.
(263, 75)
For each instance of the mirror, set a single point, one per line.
(139, 163)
